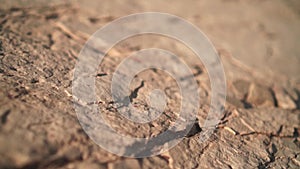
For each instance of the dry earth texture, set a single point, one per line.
(258, 42)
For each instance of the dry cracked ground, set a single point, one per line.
(257, 40)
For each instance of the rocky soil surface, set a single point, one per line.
(258, 42)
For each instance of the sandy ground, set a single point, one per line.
(257, 40)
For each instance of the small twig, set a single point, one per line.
(68, 32)
(246, 124)
(231, 130)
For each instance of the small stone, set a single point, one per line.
(163, 161)
(126, 163)
(260, 96)
(292, 93)
(194, 130)
(283, 99)
(242, 87)
(89, 165)
(72, 154)
(234, 102)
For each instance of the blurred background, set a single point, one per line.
(263, 34)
